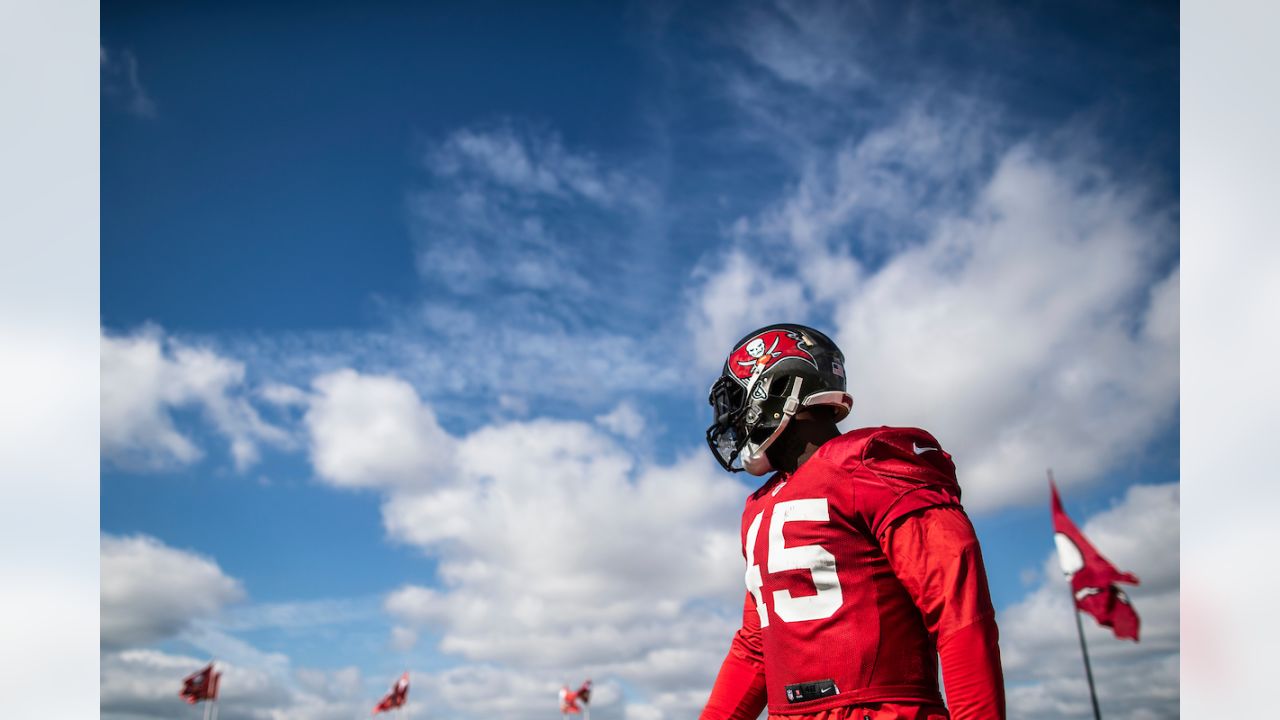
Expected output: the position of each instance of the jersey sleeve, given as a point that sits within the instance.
(739, 692)
(935, 555)
(900, 471)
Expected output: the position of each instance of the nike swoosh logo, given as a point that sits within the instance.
(921, 450)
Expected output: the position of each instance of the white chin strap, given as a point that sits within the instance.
(754, 459)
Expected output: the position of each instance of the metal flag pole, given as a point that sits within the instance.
(1084, 650)
(206, 710)
(215, 679)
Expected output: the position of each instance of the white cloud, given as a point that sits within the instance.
(369, 431)
(884, 190)
(144, 684)
(741, 294)
(1041, 653)
(299, 614)
(151, 591)
(146, 377)
(510, 210)
(531, 163)
(1026, 324)
(120, 82)
(341, 685)
(806, 44)
(486, 691)
(592, 558)
(557, 548)
(283, 395)
(403, 638)
(1018, 333)
(624, 421)
(474, 368)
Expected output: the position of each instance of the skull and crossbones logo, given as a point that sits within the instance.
(760, 358)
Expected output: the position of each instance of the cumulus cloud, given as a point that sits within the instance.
(283, 395)
(369, 431)
(592, 558)
(487, 691)
(1043, 669)
(151, 591)
(624, 421)
(147, 378)
(557, 548)
(142, 684)
(739, 295)
(1034, 320)
(1037, 325)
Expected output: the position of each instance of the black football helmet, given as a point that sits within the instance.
(771, 374)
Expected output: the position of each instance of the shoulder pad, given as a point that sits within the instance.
(909, 458)
(845, 452)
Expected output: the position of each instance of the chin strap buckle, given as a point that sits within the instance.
(793, 400)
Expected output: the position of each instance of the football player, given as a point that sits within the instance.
(863, 570)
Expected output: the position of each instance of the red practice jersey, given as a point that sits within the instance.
(841, 611)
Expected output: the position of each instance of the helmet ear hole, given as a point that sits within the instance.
(780, 386)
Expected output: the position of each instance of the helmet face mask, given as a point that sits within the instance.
(726, 437)
(771, 374)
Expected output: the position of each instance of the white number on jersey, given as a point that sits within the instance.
(814, 558)
(754, 581)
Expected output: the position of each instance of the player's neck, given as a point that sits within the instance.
(810, 448)
(804, 443)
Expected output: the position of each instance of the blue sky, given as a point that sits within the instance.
(409, 315)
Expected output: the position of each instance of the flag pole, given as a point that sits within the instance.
(215, 679)
(1084, 650)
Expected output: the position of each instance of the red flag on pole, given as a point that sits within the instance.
(397, 697)
(200, 685)
(569, 699)
(1093, 577)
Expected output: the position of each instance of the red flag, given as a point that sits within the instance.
(569, 699)
(200, 685)
(1093, 577)
(398, 696)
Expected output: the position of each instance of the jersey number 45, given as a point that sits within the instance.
(814, 558)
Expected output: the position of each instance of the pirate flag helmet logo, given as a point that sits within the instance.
(769, 376)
